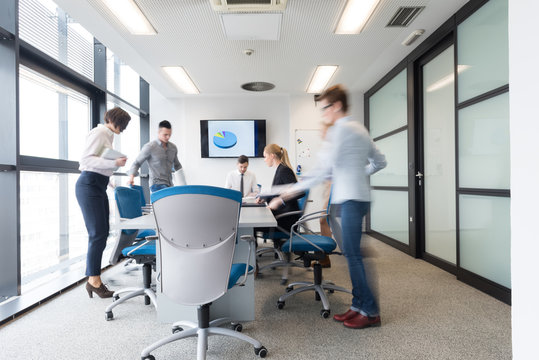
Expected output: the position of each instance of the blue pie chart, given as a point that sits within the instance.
(225, 139)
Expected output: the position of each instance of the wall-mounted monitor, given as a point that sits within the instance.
(232, 138)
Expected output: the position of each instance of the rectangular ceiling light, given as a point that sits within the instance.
(321, 77)
(130, 15)
(355, 15)
(181, 79)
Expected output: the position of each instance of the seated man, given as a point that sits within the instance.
(241, 179)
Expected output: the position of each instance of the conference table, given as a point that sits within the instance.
(239, 302)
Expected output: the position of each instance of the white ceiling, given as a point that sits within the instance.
(190, 34)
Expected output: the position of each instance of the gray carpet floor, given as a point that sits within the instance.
(426, 314)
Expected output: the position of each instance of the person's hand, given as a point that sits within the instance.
(121, 161)
(275, 203)
(259, 200)
(131, 180)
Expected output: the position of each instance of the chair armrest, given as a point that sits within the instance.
(141, 244)
(290, 213)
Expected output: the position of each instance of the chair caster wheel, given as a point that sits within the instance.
(325, 313)
(331, 291)
(149, 357)
(109, 316)
(289, 288)
(115, 298)
(176, 329)
(262, 352)
(284, 281)
(280, 305)
(237, 327)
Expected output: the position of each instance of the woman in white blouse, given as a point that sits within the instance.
(91, 192)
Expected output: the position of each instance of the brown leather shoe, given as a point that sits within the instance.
(362, 321)
(350, 314)
(101, 291)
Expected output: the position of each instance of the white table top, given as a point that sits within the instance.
(250, 217)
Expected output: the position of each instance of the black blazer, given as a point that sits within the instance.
(285, 175)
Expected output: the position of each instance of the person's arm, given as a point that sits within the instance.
(254, 186)
(228, 181)
(377, 160)
(177, 164)
(141, 158)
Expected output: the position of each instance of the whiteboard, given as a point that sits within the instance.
(308, 143)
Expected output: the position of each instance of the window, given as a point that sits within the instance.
(43, 25)
(122, 80)
(54, 119)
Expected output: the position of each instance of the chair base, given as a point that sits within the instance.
(132, 292)
(284, 262)
(202, 330)
(318, 286)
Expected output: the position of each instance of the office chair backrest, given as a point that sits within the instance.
(128, 202)
(197, 228)
(302, 201)
(141, 191)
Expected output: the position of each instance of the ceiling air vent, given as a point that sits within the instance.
(248, 5)
(404, 16)
(257, 86)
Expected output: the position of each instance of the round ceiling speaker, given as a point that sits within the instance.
(257, 86)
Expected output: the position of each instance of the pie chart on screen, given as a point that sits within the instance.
(225, 139)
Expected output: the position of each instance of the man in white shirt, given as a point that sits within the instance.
(241, 179)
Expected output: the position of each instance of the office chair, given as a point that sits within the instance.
(313, 247)
(279, 236)
(197, 228)
(132, 246)
(145, 205)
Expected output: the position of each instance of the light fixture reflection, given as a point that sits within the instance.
(447, 80)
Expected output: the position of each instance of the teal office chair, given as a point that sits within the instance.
(279, 235)
(131, 245)
(145, 205)
(313, 247)
(197, 227)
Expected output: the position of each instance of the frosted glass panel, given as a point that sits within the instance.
(485, 237)
(388, 107)
(483, 51)
(395, 148)
(389, 214)
(439, 157)
(484, 144)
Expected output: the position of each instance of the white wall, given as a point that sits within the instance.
(185, 115)
(523, 79)
(283, 116)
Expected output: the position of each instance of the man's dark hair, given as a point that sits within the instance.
(165, 124)
(117, 117)
(334, 94)
(242, 159)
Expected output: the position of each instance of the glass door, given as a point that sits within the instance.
(437, 174)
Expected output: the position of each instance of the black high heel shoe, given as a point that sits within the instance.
(101, 291)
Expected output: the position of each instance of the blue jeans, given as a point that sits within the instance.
(352, 213)
(156, 187)
(91, 193)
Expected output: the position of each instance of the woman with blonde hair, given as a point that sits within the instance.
(277, 157)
